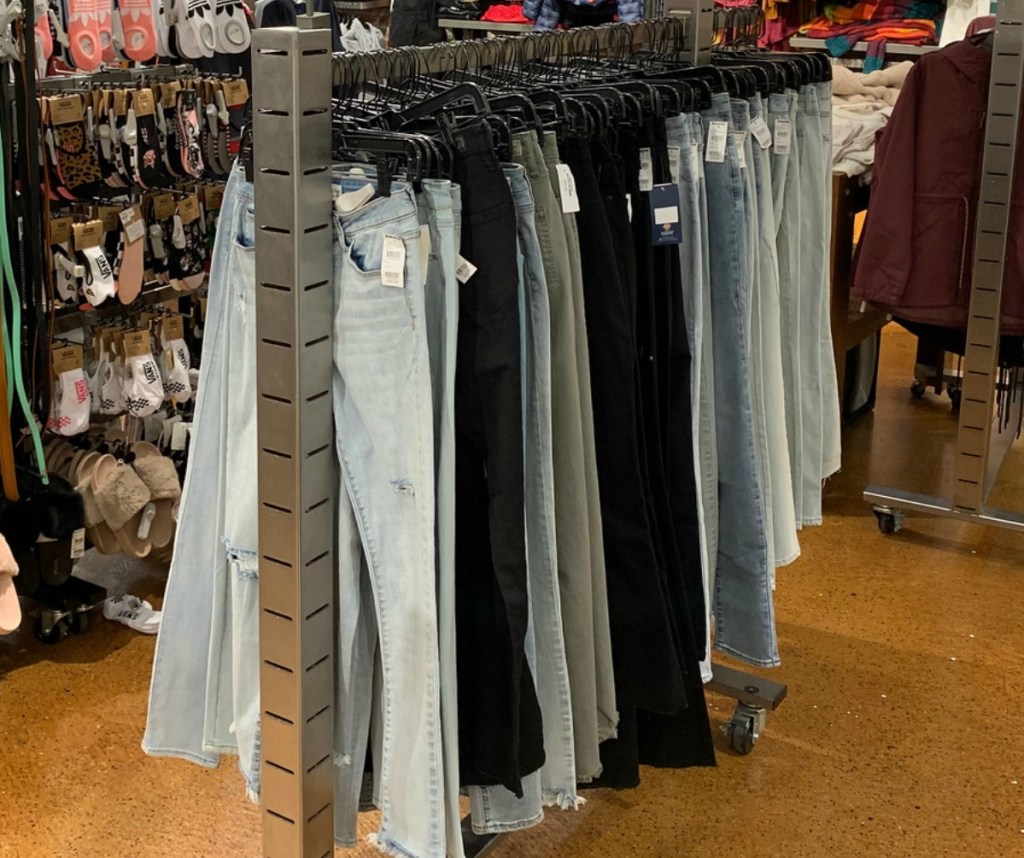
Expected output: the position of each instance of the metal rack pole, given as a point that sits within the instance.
(295, 429)
(983, 441)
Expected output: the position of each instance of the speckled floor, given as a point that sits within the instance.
(901, 735)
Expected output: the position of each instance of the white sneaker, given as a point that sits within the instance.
(133, 612)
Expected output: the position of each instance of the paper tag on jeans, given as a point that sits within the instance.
(629, 207)
(665, 228)
(739, 138)
(759, 128)
(78, 543)
(783, 136)
(674, 153)
(567, 189)
(392, 262)
(718, 134)
(464, 269)
(646, 175)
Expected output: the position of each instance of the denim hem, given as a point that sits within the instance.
(817, 521)
(391, 847)
(757, 662)
(504, 827)
(789, 558)
(562, 799)
(204, 761)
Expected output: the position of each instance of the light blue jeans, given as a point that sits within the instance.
(744, 612)
(813, 276)
(385, 445)
(685, 133)
(789, 205)
(204, 695)
(830, 406)
(439, 205)
(496, 809)
(768, 363)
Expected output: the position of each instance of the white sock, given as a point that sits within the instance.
(144, 391)
(112, 399)
(175, 364)
(197, 36)
(99, 276)
(69, 410)
(233, 35)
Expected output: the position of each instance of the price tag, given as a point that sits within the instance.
(783, 136)
(646, 170)
(665, 227)
(134, 225)
(739, 139)
(464, 269)
(78, 543)
(718, 133)
(392, 265)
(179, 436)
(759, 128)
(567, 189)
(629, 207)
(674, 156)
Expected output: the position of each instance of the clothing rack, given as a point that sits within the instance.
(982, 441)
(293, 72)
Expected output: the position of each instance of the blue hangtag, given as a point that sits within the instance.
(665, 226)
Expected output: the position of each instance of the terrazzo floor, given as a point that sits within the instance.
(901, 735)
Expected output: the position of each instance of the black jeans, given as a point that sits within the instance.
(500, 730)
(647, 672)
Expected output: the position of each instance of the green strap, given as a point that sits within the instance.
(12, 331)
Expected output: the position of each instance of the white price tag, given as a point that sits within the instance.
(646, 170)
(464, 269)
(674, 154)
(783, 136)
(739, 138)
(567, 189)
(134, 226)
(629, 207)
(668, 214)
(392, 263)
(78, 543)
(759, 128)
(718, 133)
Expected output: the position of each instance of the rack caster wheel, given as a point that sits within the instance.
(954, 397)
(745, 727)
(889, 520)
(57, 632)
(917, 388)
(78, 622)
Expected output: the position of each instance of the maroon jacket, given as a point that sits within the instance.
(915, 255)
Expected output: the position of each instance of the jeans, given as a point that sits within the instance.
(588, 762)
(585, 622)
(744, 612)
(813, 277)
(768, 367)
(385, 446)
(439, 205)
(177, 716)
(789, 217)
(500, 729)
(495, 808)
(830, 396)
(681, 132)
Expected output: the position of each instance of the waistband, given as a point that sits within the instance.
(526, 151)
(550, 147)
(377, 212)
(807, 101)
(472, 137)
(436, 195)
(721, 108)
(740, 114)
(519, 184)
(238, 186)
(756, 105)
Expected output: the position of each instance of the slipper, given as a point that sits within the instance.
(161, 478)
(132, 612)
(98, 531)
(124, 500)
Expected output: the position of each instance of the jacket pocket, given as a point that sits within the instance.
(940, 246)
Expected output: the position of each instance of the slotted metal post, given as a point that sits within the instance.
(294, 313)
(982, 441)
(979, 454)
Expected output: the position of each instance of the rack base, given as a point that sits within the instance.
(755, 697)
(889, 505)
